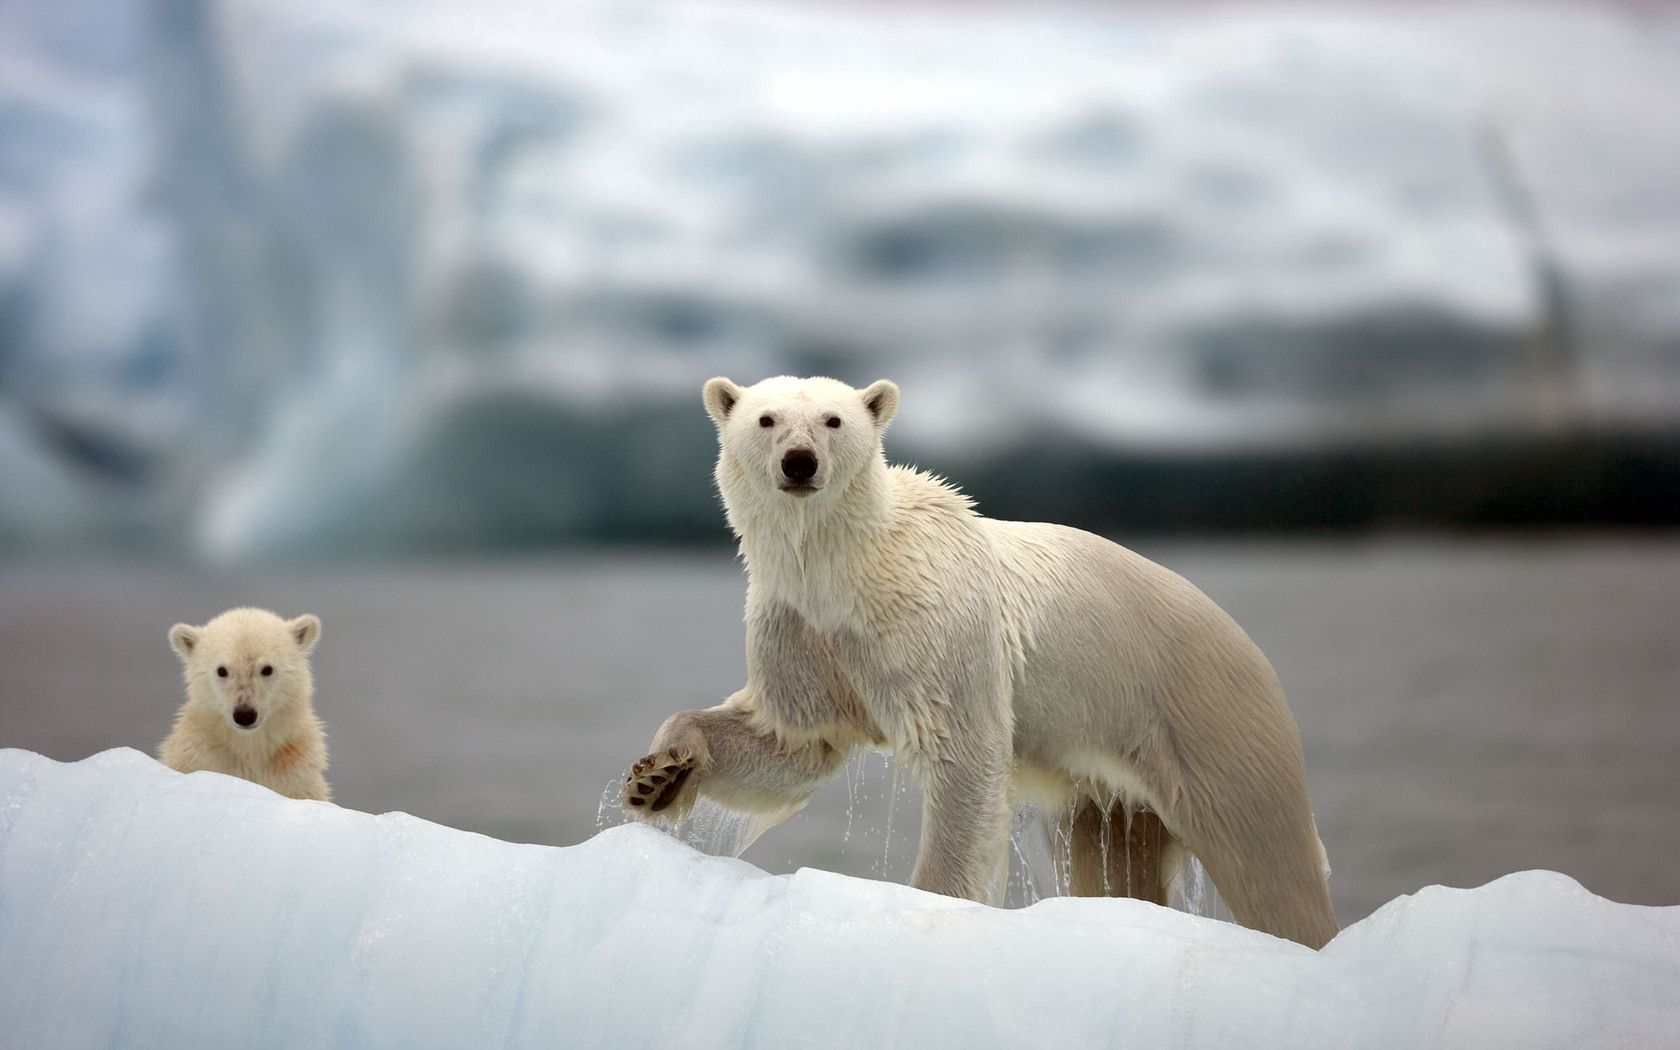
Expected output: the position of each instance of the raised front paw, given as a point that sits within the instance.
(657, 781)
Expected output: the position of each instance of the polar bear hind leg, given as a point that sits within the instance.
(1264, 856)
(1116, 849)
(1247, 822)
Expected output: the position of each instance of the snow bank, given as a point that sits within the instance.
(139, 907)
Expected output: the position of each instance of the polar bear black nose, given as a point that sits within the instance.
(799, 465)
(245, 715)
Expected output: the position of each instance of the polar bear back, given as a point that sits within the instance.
(1110, 649)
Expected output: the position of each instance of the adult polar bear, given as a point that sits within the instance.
(991, 656)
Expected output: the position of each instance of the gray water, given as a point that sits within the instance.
(1469, 707)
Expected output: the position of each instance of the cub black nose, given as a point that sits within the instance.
(799, 465)
(245, 715)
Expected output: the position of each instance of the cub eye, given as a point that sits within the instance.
(766, 421)
(834, 422)
(221, 672)
(267, 670)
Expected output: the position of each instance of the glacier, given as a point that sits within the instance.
(284, 277)
(140, 907)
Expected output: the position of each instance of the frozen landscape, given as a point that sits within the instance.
(292, 291)
(284, 277)
(139, 907)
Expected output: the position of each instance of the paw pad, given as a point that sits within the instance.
(654, 782)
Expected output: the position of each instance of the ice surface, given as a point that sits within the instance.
(139, 907)
(309, 271)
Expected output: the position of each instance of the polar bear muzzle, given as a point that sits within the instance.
(799, 466)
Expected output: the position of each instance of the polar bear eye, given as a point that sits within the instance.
(221, 672)
(834, 422)
(267, 670)
(766, 421)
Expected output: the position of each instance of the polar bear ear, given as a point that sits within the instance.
(183, 638)
(881, 398)
(305, 630)
(720, 396)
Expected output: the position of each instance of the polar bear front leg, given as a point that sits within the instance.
(723, 753)
(965, 827)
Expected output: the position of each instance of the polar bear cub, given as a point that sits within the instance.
(249, 710)
(997, 659)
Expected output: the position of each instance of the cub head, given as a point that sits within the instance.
(794, 439)
(247, 665)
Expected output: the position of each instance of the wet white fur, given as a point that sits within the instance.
(286, 750)
(994, 657)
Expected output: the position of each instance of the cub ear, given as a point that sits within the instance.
(881, 398)
(720, 395)
(306, 630)
(182, 638)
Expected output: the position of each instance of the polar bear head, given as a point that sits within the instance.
(247, 665)
(787, 440)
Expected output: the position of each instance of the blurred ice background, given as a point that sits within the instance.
(292, 288)
(278, 278)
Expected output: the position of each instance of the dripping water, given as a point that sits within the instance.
(854, 767)
(1040, 841)
(1041, 844)
(610, 802)
(894, 789)
(708, 827)
(719, 831)
(1194, 892)
(1033, 842)
(1126, 812)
